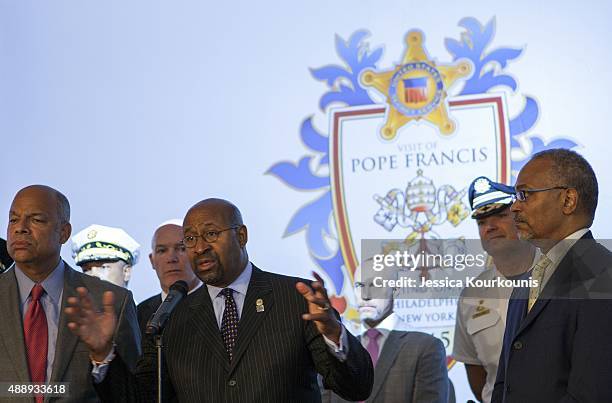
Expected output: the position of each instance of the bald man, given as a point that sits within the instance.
(248, 336)
(37, 345)
(171, 264)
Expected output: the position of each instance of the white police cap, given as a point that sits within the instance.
(99, 242)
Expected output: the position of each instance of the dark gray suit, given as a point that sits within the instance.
(71, 362)
(276, 358)
(561, 350)
(145, 311)
(411, 369)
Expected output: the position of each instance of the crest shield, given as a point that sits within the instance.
(414, 186)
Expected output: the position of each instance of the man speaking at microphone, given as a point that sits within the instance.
(248, 336)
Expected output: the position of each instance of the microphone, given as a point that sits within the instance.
(177, 292)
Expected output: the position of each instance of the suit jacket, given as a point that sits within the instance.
(5, 259)
(276, 358)
(561, 351)
(411, 369)
(145, 310)
(71, 362)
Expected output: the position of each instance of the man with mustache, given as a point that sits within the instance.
(35, 343)
(408, 366)
(169, 259)
(248, 336)
(481, 313)
(558, 331)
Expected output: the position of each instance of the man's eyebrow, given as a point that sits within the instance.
(35, 213)
(523, 185)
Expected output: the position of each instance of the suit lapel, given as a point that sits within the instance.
(205, 322)
(66, 340)
(251, 319)
(560, 283)
(387, 357)
(11, 332)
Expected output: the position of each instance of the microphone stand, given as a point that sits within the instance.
(158, 346)
(156, 323)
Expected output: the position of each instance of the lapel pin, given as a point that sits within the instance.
(259, 305)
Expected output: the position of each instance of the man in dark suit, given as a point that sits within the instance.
(558, 332)
(5, 259)
(169, 259)
(248, 336)
(409, 367)
(35, 343)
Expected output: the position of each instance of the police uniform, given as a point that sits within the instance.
(481, 313)
(99, 242)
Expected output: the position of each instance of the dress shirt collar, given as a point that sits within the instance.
(53, 284)
(384, 327)
(558, 252)
(239, 285)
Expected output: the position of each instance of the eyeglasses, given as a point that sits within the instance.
(521, 195)
(209, 236)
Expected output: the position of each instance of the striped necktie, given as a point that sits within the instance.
(537, 274)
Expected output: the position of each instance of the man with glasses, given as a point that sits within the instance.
(481, 313)
(248, 336)
(558, 331)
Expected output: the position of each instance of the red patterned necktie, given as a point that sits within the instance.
(36, 337)
(229, 322)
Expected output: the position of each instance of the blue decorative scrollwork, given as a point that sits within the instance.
(473, 45)
(344, 88)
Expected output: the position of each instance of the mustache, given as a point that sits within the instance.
(519, 219)
(206, 256)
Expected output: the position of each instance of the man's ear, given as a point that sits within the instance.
(243, 236)
(65, 232)
(570, 202)
(127, 273)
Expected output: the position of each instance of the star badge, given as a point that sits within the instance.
(416, 89)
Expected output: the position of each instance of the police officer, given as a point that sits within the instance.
(481, 313)
(106, 252)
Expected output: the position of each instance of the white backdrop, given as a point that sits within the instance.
(136, 110)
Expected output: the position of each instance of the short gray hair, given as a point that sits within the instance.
(573, 170)
(63, 207)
